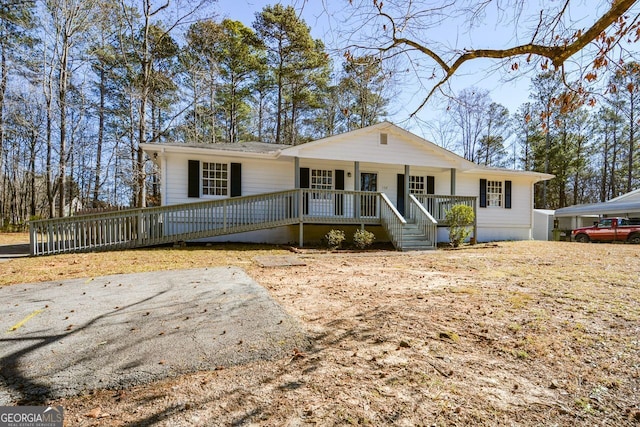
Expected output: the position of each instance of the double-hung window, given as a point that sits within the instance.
(321, 179)
(215, 179)
(494, 194)
(416, 185)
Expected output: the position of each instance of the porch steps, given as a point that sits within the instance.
(413, 239)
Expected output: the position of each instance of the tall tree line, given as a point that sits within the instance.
(84, 83)
(591, 148)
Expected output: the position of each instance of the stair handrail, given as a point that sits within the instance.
(391, 220)
(424, 220)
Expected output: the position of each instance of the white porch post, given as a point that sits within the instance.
(356, 187)
(163, 179)
(453, 181)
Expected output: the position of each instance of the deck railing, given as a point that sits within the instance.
(438, 205)
(153, 226)
(392, 221)
(424, 220)
(341, 207)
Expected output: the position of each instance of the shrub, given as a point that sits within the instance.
(335, 238)
(459, 218)
(363, 238)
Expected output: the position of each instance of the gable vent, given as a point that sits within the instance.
(383, 139)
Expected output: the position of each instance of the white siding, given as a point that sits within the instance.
(498, 223)
(366, 147)
(258, 176)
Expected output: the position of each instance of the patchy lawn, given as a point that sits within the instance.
(516, 333)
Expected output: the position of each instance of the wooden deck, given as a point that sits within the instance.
(159, 225)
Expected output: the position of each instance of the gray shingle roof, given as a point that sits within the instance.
(243, 147)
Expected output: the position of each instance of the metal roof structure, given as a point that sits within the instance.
(627, 205)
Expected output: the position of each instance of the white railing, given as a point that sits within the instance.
(392, 221)
(338, 206)
(425, 222)
(153, 226)
(438, 205)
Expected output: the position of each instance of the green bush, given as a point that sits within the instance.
(459, 218)
(335, 238)
(363, 238)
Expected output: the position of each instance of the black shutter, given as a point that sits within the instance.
(431, 185)
(304, 178)
(483, 193)
(400, 192)
(507, 194)
(305, 182)
(339, 179)
(339, 199)
(236, 180)
(193, 189)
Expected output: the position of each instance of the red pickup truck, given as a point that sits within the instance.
(609, 230)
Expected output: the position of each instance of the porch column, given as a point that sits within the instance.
(356, 176)
(163, 178)
(453, 181)
(356, 187)
(406, 190)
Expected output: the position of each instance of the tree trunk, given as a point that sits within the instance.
(101, 116)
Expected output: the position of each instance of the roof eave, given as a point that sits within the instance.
(188, 149)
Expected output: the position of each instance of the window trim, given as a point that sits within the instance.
(495, 196)
(417, 179)
(214, 190)
(321, 179)
(506, 195)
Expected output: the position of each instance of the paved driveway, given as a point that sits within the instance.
(65, 337)
(8, 252)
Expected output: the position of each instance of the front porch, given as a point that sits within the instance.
(417, 229)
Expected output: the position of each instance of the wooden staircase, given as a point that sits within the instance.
(414, 238)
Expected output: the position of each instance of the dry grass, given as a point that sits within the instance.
(13, 238)
(522, 333)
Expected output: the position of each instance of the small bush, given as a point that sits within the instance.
(363, 238)
(459, 217)
(335, 238)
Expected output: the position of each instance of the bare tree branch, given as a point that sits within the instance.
(557, 50)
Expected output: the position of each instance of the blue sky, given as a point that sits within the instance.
(503, 88)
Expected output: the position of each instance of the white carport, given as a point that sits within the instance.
(627, 205)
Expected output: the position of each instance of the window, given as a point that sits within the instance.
(416, 185)
(605, 223)
(215, 179)
(494, 193)
(497, 194)
(383, 139)
(321, 180)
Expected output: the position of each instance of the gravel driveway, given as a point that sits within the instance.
(66, 337)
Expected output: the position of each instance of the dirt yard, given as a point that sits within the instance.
(518, 333)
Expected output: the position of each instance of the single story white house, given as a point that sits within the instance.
(376, 177)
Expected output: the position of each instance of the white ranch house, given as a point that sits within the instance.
(383, 159)
(382, 177)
